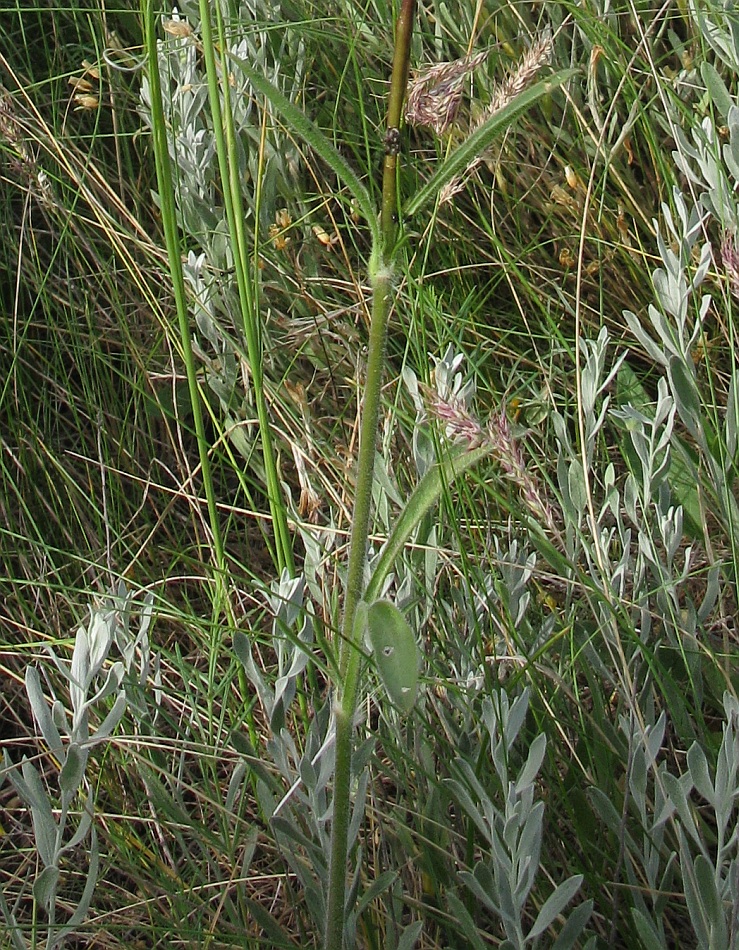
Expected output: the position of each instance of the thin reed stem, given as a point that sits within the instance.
(169, 222)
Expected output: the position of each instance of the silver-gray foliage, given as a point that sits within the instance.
(63, 820)
(512, 827)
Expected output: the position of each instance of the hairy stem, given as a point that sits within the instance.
(349, 650)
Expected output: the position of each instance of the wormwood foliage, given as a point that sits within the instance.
(63, 822)
(538, 680)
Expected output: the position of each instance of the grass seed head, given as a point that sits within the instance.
(434, 95)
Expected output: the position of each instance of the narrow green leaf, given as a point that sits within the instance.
(377, 887)
(484, 891)
(13, 927)
(605, 809)
(410, 935)
(277, 937)
(396, 653)
(424, 497)
(310, 134)
(647, 934)
(685, 392)
(570, 933)
(464, 922)
(83, 907)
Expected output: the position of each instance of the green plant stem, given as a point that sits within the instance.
(169, 222)
(381, 277)
(225, 138)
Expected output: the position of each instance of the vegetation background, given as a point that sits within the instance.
(178, 454)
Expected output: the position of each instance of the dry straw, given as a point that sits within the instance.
(21, 161)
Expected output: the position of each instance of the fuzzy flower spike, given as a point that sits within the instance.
(434, 95)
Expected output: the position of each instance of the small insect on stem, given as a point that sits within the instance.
(392, 141)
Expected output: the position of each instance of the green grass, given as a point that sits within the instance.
(102, 480)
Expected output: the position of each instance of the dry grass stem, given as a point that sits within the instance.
(22, 162)
(730, 260)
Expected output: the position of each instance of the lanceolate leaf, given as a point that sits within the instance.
(302, 125)
(425, 495)
(396, 653)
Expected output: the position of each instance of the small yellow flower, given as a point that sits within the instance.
(177, 28)
(85, 102)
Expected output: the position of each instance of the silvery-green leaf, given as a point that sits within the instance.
(44, 824)
(110, 722)
(554, 905)
(712, 592)
(678, 790)
(45, 885)
(42, 714)
(529, 844)
(79, 673)
(100, 631)
(705, 876)
(242, 649)
(73, 770)
(576, 486)
(698, 918)
(60, 718)
(462, 796)
(731, 423)
(574, 926)
(395, 651)
(234, 785)
(716, 87)
(647, 933)
(82, 828)
(605, 809)
(700, 774)
(514, 720)
(654, 738)
(410, 935)
(83, 905)
(113, 679)
(533, 762)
